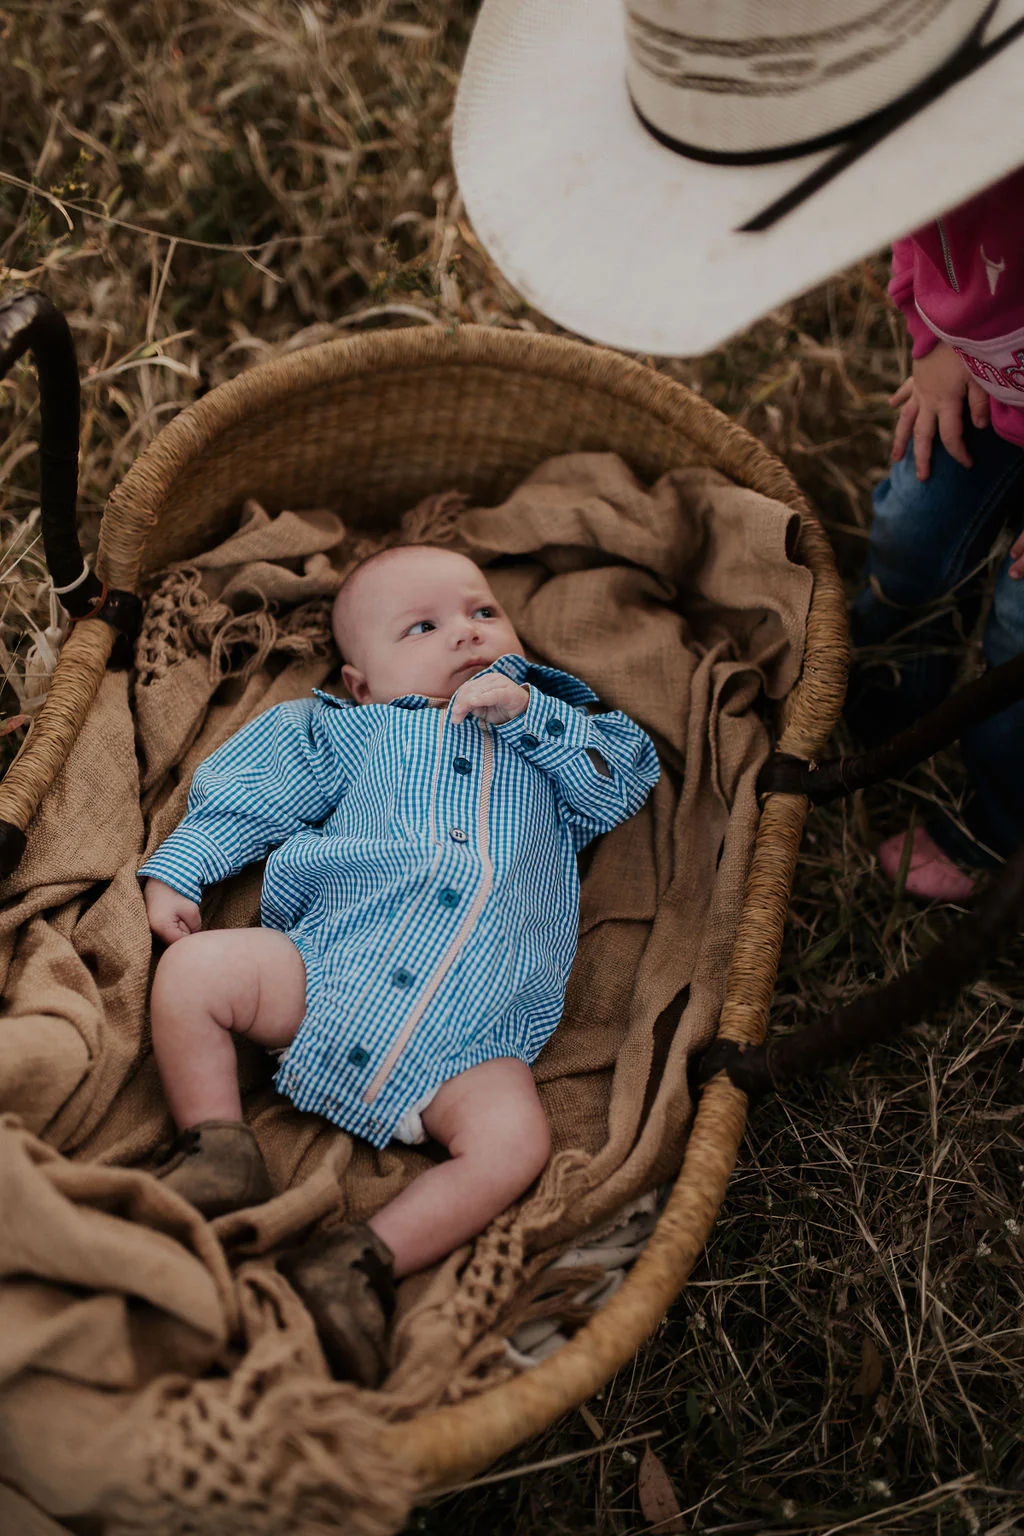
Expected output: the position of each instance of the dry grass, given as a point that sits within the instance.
(221, 182)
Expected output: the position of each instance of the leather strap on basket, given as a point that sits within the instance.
(987, 695)
(29, 322)
(970, 946)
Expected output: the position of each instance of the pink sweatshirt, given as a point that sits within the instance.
(961, 280)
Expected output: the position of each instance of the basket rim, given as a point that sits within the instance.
(445, 1442)
(150, 479)
(409, 347)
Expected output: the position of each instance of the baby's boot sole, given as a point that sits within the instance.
(345, 1278)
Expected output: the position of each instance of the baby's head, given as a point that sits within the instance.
(415, 619)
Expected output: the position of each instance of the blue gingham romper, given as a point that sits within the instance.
(425, 871)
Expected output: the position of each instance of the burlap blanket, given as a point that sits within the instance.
(156, 1373)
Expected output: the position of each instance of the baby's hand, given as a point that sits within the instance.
(491, 697)
(171, 915)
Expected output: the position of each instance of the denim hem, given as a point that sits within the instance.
(957, 844)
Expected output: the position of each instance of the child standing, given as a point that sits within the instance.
(956, 482)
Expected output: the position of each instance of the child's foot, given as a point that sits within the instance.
(931, 874)
(345, 1276)
(217, 1166)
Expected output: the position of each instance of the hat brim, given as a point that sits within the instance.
(616, 237)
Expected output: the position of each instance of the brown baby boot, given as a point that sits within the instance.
(217, 1166)
(345, 1276)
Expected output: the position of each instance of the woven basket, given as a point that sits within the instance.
(374, 425)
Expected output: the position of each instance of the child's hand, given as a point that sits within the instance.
(492, 697)
(171, 915)
(933, 397)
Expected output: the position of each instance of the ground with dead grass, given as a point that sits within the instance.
(202, 186)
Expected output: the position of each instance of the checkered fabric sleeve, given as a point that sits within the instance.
(603, 766)
(275, 777)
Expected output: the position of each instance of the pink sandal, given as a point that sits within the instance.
(932, 875)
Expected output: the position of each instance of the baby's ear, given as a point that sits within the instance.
(356, 684)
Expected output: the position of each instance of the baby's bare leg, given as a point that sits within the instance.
(492, 1123)
(245, 981)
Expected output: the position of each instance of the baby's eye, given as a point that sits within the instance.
(421, 627)
(486, 612)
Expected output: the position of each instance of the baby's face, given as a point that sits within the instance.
(419, 621)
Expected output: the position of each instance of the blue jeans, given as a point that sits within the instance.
(923, 584)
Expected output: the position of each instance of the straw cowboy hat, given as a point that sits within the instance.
(656, 174)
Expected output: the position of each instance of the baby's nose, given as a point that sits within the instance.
(466, 630)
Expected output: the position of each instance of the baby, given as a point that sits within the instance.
(419, 910)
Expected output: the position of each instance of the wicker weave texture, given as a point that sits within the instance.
(370, 426)
(76, 680)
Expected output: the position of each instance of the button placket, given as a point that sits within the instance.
(469, 801)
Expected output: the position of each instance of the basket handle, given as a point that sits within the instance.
(934, 981)
(29, 322)
(994, 691)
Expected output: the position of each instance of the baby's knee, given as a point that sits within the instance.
(175, 963)
(522, 1142)
(538, 1148)
(492, 1115)
(192, 971)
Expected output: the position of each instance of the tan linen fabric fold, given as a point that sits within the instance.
(126, 1321)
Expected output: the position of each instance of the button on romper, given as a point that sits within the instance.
(425, 871)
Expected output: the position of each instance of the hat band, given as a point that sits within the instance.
(855, 138)
(780, 152)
